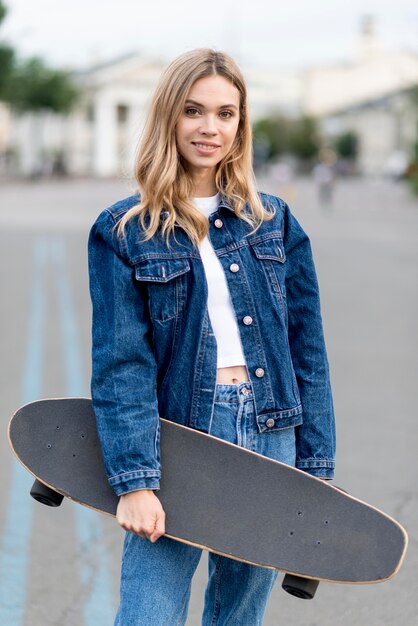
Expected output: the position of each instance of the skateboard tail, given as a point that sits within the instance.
(295, 574)
(49, 441)
(308, 527)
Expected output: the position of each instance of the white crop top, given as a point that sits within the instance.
(221, 311)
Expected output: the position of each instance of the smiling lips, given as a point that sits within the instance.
(205, 147)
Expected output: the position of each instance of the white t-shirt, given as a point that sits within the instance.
(221, 311)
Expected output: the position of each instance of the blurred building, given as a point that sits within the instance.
(375, 95)
(100, 137)
(97, 137)
(116, 96)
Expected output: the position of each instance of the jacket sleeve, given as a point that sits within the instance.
(123, 384)
(315, 438)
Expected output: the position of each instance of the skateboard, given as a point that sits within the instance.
(219, 497)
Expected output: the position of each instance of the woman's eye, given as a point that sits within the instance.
(191, 111)
(226, 114)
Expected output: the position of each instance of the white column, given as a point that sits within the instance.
(105, 161)
(132, 134)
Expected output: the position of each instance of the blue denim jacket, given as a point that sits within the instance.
(154, 350)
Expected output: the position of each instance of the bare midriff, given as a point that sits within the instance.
(232, 375)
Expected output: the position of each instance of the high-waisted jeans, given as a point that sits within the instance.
(156, 577)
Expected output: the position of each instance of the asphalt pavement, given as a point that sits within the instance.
(60, 567)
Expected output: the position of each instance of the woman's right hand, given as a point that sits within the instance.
(141, 512)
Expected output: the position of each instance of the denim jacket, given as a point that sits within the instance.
(154, 350)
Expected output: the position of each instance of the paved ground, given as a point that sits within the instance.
(60, 567)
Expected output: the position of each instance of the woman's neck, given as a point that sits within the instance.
(203, 183)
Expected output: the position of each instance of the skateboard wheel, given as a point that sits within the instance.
(45, 495)
(299, 587)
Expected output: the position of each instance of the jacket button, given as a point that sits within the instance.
(259, 372)
(247, 320)
(270, 422)
(218, 223)
(234, 267)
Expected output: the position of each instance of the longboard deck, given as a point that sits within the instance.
(219, 496)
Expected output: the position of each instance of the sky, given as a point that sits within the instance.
(262, 33)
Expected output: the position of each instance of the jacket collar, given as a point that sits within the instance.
(225, 204)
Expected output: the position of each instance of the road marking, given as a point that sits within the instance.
(19, 511)
(94, 570)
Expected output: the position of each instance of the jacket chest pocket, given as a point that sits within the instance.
(165, 281)
(271, 256)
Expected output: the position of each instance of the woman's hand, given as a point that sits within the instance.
(141, 512)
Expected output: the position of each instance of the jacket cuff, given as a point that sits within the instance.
(135, 481)
(320, 468)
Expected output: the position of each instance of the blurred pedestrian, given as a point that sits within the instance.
(283, 175)
(324, 175)
(205, 311)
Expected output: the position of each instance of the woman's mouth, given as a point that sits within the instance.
(205, 148)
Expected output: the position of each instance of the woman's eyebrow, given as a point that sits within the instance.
(202, 106)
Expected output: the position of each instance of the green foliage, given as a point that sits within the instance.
(7, 62)
(3, 11)
(273, 132)
(346, 145)
(29, 85)
(7, 57)
(303, 138)
(35, 87)
(284, 135)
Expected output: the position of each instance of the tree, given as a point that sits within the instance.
(30, 86)
(285, 135)
(7, 58)
(35, 87)
(272, 132)
(303, 139)
(346, 145)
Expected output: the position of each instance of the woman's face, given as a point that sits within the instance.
(208, 125)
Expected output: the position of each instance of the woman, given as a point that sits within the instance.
(206, 312)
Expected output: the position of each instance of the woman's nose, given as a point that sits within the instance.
(208, 126)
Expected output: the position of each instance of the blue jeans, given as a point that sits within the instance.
(156, 577)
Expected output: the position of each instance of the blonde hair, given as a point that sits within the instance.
(161, 174)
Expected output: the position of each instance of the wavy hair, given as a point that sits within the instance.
(161, 173)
